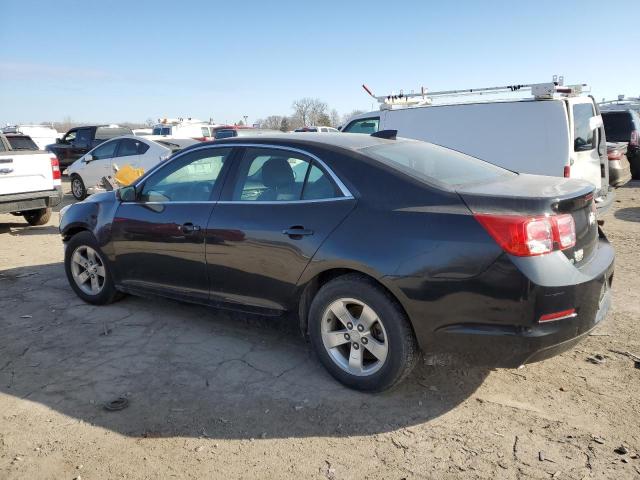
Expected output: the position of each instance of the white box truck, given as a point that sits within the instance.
(557, 131)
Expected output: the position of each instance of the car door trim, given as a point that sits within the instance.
(343, 188)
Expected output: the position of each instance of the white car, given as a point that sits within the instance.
(557, 131)
(87, 172)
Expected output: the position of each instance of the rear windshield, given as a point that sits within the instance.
(617, 126)
(226, 133)
(22, 143)
(104, 133)
(433, 163)
(162, 131)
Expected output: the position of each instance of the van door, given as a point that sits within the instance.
(583, 152)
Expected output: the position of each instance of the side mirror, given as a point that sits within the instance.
(127, 194)
(89, 158)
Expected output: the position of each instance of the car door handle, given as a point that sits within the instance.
(5, 171)
(189, 228)
(297, 232)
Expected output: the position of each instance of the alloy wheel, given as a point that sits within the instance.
(354, 337)
(76, 187)
(87, 269)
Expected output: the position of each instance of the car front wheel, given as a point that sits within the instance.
(78, 189)
(87, 270)
(361, 334)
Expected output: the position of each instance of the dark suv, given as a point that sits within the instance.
(78, 141)
(623, 125)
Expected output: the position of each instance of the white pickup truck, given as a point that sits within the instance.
(29, 183)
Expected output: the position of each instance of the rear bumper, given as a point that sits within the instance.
(510, 346)
(20, 202)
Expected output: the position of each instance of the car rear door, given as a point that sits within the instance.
(159, 239)
(277, 208)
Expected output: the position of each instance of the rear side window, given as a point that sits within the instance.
(128, 147)
(365, 125)
(583, 135)
(435, 164)
(617, 126)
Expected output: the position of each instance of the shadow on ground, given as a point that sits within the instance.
(24, 229)
(189, 370)
(629, 214)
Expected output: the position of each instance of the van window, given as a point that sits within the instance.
(617, 126)
(583, 136)
(161, 131)
(226, 133)
(364, 125)
(433, 163)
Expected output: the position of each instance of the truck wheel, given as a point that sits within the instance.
(38, 217)
(77, 187)
(361, 335)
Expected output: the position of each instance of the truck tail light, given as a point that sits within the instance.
(526, 236)
(614, 155)
(55, 168)
(634, 138)
(567, 171)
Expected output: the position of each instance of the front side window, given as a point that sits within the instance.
(70, 136)
(188, 178)
(584, 137)
(365, 125)
(434, 164)
(106, 150)
(272, 175)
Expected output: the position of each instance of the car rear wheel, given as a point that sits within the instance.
(87, 270)
(37, 217)
(361, 334)
(77, 187)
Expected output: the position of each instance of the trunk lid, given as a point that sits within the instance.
(535, 195)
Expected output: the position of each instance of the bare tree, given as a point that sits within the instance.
(307, 111)
(284, 124)
(347, 116)
(272, 122)
(335, 118)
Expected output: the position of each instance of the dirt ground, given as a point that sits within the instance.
(220, 395)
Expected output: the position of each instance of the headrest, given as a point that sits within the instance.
(277, 173)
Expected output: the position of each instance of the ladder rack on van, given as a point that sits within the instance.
(540, 91)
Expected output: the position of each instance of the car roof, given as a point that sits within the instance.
(348, 141)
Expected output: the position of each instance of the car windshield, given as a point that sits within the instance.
(435, 164)
(22, 143)
(617, 126)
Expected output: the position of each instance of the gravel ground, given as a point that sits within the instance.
(219, 395)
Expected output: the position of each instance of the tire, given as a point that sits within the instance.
(38, 217)
(91, 261)
(389, 328)
(78, 190)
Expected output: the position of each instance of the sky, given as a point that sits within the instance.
(116, 60)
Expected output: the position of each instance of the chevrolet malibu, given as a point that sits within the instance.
(381, 247)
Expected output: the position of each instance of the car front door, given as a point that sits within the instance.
(99, 165)
(277, 208)
(127, 153)
(158, 239)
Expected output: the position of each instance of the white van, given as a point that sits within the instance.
(557, 132)
(185, 128)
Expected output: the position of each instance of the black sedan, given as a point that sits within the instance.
(382, 247)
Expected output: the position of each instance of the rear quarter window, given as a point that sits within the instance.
(435, 164)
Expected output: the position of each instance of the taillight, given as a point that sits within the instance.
(529, 236)
(614, 155)
(55, 168)
(551, 317)
(634, 138)
(567, 171)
